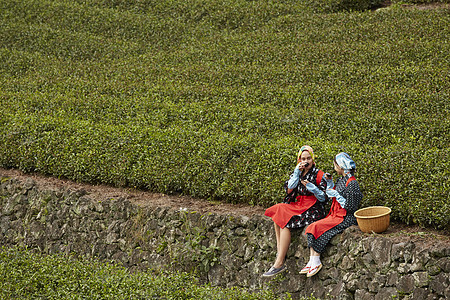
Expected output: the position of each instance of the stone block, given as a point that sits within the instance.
(421, 279)
(5, 223)
(352, 285)
(432, 269)
(381, 251)
(404, 268)
(386, 293)
(111, 238)
(363, 295)
(296, 281)
(398, 251)
(440, 284)
(11, 203)
(355, 248)
(406, 284)
(249, 252)
(216, 274)
(347, 263)
(392, 279)
(337, 289)
(378, 282)
(444, 264)
(421, 293)
(420, 259)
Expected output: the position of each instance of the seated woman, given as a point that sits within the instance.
(346, 199)
(302, 206)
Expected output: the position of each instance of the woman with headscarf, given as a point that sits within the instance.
(303, 205)
(346, 199)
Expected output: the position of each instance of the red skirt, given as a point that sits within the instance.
(281, 213)
(334, 218)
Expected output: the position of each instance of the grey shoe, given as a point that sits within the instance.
(274, 271)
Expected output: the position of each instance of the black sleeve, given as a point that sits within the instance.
(353, 197)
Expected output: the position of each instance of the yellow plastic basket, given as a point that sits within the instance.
(373, 218)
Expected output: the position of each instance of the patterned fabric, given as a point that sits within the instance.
(353, 196)
(317, 211)
(311, 177)
(345, 162)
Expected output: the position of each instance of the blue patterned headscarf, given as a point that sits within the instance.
(344, 161)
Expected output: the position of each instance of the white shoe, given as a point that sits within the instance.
(305, 270)
(314, 271)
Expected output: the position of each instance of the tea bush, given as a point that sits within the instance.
(28, 275)
(213, 99)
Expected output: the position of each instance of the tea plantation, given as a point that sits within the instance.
(214, 98)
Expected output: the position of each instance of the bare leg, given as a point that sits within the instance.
(312, 252)
(277, 234)
(283, 246)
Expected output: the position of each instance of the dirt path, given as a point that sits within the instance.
(395, 231)
(140, 197)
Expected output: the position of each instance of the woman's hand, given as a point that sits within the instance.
(329, 181)
(314, 189)
(302, 165)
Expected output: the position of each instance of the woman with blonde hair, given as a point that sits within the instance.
(303, 205)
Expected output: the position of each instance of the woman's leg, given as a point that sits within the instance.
(277, 235)
(314, 262)
(283, 246)
(313, 252)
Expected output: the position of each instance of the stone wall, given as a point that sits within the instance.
(224, 250)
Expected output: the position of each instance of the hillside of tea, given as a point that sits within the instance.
(213, 99)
